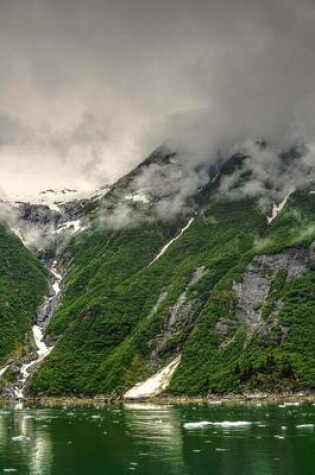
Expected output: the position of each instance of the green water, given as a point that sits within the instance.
(152, 440)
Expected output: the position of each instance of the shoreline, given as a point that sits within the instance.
(215, 400)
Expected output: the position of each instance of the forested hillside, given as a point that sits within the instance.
(23, 283)
(232, 295)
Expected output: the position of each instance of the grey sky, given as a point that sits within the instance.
(89, 87)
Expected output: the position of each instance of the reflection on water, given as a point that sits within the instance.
(158, 440)
(24, 440)
(41, 455)
(160, 428)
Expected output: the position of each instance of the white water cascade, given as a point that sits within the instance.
(38, 336)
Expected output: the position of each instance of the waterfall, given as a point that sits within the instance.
(38, 330)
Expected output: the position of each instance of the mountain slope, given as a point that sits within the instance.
(23, 283)
(257, 330)
(214, 286)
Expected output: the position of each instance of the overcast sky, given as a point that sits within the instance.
(89, 87)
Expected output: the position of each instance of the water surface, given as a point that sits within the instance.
(152, 440)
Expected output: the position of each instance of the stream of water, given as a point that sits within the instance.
(38, 337)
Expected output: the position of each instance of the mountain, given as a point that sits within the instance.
(174, 284)
(23, 283)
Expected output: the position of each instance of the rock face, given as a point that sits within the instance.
(39, 214)
(255, 288)
(41, 226)
(180, 318)
(44, 215)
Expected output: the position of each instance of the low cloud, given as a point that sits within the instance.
(88, 89)
(271, 173)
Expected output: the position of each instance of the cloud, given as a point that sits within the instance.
(272, 173)
(88, 88)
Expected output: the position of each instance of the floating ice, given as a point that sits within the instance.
(20, 438)
(232, 424)
(305, 426)
(224, 424)
(197, 425)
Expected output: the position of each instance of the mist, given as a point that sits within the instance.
(89, 88)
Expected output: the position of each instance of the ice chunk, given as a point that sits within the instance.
(197, 425)
(20, 438)
(223, 425)
(232, 424)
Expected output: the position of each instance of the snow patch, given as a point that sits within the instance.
(276, 209)
(73, 226)
(56, 207)
(156, 384)
(164, 249)
(18, 233)
(3, 370)
(139, 197)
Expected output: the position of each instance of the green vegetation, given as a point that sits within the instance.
(122, 316)
(276, 364)
(23, 282)
(111, 333)
(110, 291)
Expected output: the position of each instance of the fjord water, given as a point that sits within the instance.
(152, 439)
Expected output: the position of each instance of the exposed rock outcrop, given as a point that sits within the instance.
(254, 289)
(179, 319)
